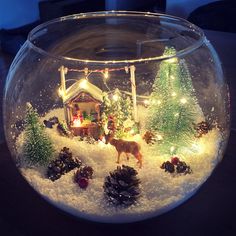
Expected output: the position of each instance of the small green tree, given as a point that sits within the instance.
(105, 107)
(173, 104)
(38, 148)
(119, 107)
(127, 108)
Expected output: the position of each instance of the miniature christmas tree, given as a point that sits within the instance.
(127, 108)
(119, 107)
(38, 147)
(117, 110)
(106, 107)
(173, 104)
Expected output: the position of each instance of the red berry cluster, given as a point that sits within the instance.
(82, 176)
(176, 165)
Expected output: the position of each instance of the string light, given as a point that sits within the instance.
(61, 92)
(86, 71)
(106, 73)
(132, 131)
(126, 69)
(83, 84)
(173, 94)
(115, 97)
(146, 102)
(172, 149)
(172, 77)
(158, 102)
(183, 100)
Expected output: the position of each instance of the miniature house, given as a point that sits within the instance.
(82, 102)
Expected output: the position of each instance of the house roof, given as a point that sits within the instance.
(82, 85)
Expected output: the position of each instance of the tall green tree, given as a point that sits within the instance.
(173, 104)
(38, 148)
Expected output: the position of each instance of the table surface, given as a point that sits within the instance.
(209, 212)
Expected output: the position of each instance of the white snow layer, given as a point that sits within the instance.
(161, 191)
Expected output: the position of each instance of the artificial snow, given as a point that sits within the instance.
(161, 191)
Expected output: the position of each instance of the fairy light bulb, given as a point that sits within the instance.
(115, 97)
(173, 94)
(86, 71)
(61, 92)
(106, 73)
(83, 84)
(146, 102)
(158, 102)
(183, 100)
(172, 77)
(172, 149)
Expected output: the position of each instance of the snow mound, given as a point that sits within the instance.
(161, 191)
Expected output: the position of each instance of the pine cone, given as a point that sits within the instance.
(149, 137)
(182, 167)
(121, 187)
(168, 167)
(63, 164)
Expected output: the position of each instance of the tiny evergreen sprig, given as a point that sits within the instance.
(38, 148)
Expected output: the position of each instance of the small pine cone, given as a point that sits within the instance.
(168, 167)
(65, 153)
(63, 164)
(86, 172)
(121, 187)
(149, 137)
(182, 167)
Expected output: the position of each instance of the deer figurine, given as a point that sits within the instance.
(126, 147)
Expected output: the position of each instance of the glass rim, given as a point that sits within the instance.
(179, 53)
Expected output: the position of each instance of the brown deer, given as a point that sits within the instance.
(126, 147)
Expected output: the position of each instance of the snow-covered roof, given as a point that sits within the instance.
(82, 85)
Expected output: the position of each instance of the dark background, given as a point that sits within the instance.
(212, 211)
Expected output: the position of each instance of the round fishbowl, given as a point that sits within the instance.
(116, 116)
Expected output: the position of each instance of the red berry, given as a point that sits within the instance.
(174, 160)
(83, 182)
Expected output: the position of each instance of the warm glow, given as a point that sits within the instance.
(159, 137)
(104, 140)
(115, 97)
(172, 77)
(183, 100)
(173, 94)
(199, 147)
(146, 102)
(176, 114)
(158, 102)
(106, 74)
(132, 131)
(76, 122)
(61, 92)
(172, 149)
(83, 84)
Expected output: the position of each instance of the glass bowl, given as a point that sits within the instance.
(116, 116)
